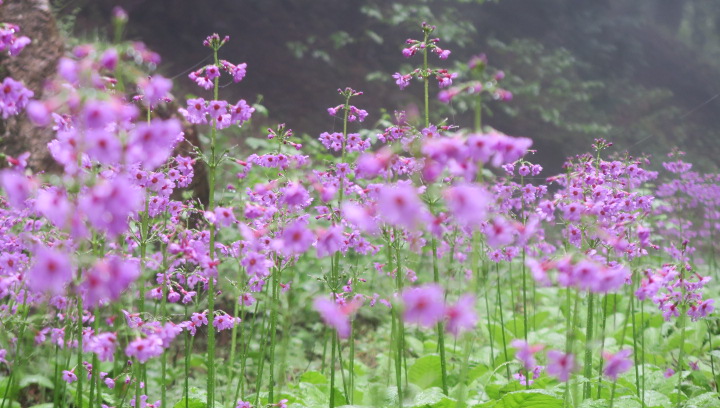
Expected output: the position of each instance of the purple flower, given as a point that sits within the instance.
(335, 315)
(399, 205)
(401, 80)
(616, 364)
(155, 89)
(424, 305)
(51, 271)
(17, 187)
(223, 322)
(468, 203)
(296, 238)
(196, 111)
(144, 349)
(461, 316)
(69, 376)
(560, 365)
(526, 352)
(329, 241)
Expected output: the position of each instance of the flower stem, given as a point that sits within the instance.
(440, 329)
(588, 344)
(502, 320)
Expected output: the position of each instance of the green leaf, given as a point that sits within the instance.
(707, 400)
(529, 399)
(40, 380)
(313, 377)
(426, 372)
(434, 398)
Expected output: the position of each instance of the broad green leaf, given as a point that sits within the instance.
(313, 377)
(529, 399)
(426, 372)
(707, 400)
(433, 398)
(40, 380)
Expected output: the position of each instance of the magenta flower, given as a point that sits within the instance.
(144, 349)
(461, 316)
(69, 376)
(329, 241)
(155, 89)
(616, 364)
(400, 205)
(51, 271)
(223, 322)
(17, 187)
(560, 365)
(424, 305)
(468, 203)
(336, 315)
(297, 238)
(402, 80)
(526, 352)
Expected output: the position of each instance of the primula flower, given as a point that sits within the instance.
(616, 364)
(560, 365)
(424, 305)
(51, 271)
(17, 187)
(154, 89)
(526, 352)
(296, 238)
(329, 241)
(69, 376)
(337, 315)
(145, 348)
(400, 205)
(402, 80)
(467, 203)
(461, 316)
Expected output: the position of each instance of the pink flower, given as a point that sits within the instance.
(461, 316)
(329, 241)
(560, 365)
(145, 348)
(51, 271)
(424, 305)
(69, 376)
(296, 238)
(399, 205)
(468, 203)
(402, 80)
(17, 187)
(526, 352)
(155, 89)
(616, 364)
(336, 315)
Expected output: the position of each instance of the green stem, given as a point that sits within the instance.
(683, 325)
(273, 330)
(502, 320)
(602, 342)
(588, 344)
(440, 329)
(80, 368)
(211, 284)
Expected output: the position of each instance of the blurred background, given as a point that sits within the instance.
(644, 74)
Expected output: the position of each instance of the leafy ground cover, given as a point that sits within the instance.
(406, 263)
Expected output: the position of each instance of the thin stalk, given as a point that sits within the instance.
(211, 284)
(80, 349)
(712, 359)
(602, 342)
(588, 344)
(440, 329)
(683, 325)
(273, 330)
(502, 321)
